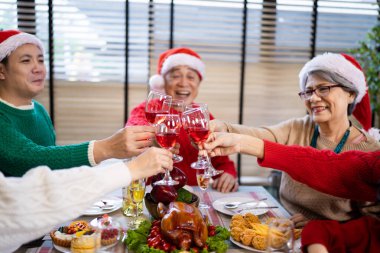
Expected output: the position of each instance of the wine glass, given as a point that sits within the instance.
(175, 106)
(154, 105)
(137, 192)
(203, 180)
(280, 235)
(167, 131)
(196, 122)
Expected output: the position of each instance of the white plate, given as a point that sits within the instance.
(219, 206)
(297, 246)
(67, 250)
(95, 210)
(61, 249)
(245, 246)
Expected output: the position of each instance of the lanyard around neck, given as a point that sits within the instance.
(340, 145)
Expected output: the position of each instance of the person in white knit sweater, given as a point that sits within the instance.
(32, 205)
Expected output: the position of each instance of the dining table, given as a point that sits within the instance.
(214, 216)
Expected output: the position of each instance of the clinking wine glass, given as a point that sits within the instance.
(280, 236)
(196, 122)
(167, 131)
(175, 106)
(137, 192)
(154, 105)
(203, 180)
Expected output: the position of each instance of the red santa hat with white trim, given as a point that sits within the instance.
(10, 40)
(348, 68)
(172, 58)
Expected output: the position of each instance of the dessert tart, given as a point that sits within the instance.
(63, 236)
(109, 236)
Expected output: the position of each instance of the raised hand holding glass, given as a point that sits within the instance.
(196, 123)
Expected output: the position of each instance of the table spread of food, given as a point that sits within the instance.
(176, 224)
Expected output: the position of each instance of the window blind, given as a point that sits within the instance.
(255, 78)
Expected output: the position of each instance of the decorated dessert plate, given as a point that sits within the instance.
(67, 250)
(255, 207)
(105, 205)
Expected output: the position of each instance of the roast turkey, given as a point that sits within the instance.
(183, 225)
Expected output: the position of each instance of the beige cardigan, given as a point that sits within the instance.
(297, 197)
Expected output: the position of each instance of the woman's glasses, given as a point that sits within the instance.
(321, 91)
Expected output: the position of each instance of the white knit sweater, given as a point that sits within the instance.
(30, 206)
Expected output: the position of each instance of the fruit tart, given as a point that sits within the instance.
(64, 235)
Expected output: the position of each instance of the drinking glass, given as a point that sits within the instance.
(167, 131)
(203, 180)
(154, 105)
(174, 106)
(280, 236)
(196, 123)
(137, 191)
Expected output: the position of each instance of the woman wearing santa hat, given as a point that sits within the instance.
(179, 74)
(352, 174)
(27, 134)
(333, 87)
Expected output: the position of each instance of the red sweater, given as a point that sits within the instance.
(187, 151)
(352, 174)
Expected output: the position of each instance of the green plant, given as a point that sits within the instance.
(368, 54)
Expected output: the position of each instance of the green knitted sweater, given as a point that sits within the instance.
(28, 140)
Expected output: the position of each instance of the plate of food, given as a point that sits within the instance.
(103, 206)
(249, 205)
(80, 235)
(249, 232)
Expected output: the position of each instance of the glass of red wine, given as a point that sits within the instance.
(175, 106)
(196, 122)
(154, 105)
(167, 131)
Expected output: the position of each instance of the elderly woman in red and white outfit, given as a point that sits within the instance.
(179, 74)
(333, 87)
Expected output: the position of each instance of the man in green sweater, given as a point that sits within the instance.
(27, 134)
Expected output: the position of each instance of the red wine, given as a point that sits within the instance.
(150, 116)
(198, 135)
(166, 140)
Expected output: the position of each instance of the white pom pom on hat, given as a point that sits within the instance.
(172, 58)
(10, 40)
(157, 82)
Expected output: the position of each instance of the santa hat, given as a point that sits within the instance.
(348, 68)
(10, 40)
(172, 58)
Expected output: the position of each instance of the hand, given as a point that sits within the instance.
(151, 162)
(225, 183)
(127, 142)
(317, 248)
(221, 144)
(217, 126)
(299, 220)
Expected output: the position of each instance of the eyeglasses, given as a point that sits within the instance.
(321, 91)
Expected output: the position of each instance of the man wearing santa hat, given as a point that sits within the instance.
(27, 134)
(332, 86)
(179, 74)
